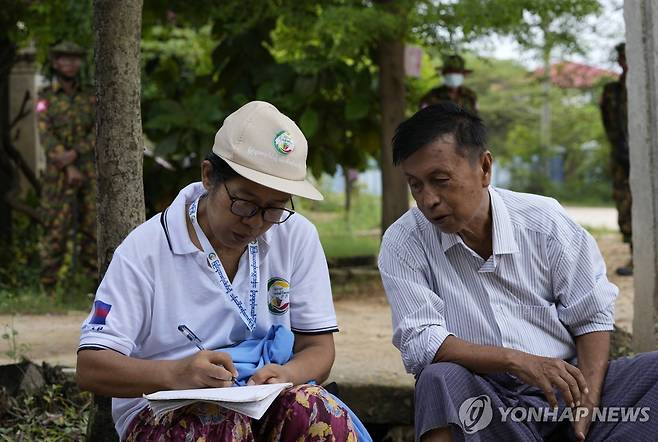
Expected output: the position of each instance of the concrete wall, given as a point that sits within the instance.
(22, 80)
(641, 18)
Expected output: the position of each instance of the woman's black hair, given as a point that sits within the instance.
(434, 122)
(221, 171)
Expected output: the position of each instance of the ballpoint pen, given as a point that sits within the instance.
(189, 334)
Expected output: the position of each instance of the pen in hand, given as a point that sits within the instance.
(189, 334)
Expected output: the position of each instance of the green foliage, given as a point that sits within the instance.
(577, 137)
(20, 257)
(20, 290)
(557, 23)
(510, 99)
(332, 33)
(56, 413)
(46, 22)
(314, 60)
(180, 111)
(192, 47)
(184, 101)
(15, 351)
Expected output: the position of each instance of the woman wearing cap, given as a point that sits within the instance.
(226, 263)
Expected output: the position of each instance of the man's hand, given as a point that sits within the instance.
(61, 160)
(206, 369)
(551, 373)
(270, 374)
(73, 176)
(581, 425)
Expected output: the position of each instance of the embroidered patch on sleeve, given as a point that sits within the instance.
(101, 310)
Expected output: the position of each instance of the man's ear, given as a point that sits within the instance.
(486, 165)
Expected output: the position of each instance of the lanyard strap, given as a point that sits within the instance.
(220, 274)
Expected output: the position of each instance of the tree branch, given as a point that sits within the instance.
(20, 206)
(16, 156)
(22, 113)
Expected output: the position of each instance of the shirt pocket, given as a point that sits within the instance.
(540, 322)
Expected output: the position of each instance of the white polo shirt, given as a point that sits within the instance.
(158, 280)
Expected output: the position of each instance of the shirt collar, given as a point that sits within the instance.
(174, 222)
(503, 231)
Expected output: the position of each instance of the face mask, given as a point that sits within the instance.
(454, 80)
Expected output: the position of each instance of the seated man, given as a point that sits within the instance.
(501, 305)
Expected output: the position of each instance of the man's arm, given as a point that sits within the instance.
(592, 349)
(482, 359)
(545, 373)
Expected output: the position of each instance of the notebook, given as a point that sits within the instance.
(250, 400)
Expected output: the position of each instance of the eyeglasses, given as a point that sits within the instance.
(247, 209)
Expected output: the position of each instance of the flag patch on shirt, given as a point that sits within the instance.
(101, 310)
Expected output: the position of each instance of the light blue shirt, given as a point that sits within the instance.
(544, 284)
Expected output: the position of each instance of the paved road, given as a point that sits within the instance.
(597, 217)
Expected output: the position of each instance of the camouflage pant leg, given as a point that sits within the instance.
(57, 202)
(87, 219)
(621, 192)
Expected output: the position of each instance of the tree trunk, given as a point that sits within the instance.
(119, 150)
(393, 102)
(545, 121)
(349, 185)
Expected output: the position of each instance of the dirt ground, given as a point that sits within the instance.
(364, 338)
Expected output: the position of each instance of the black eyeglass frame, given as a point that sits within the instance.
(287, 213)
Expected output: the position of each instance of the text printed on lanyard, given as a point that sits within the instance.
(249, 318)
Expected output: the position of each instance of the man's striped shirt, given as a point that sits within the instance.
(544, 284)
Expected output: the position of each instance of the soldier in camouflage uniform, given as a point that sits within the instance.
(66, 113)
(453, 72)
(614, 110)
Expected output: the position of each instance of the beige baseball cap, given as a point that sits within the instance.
(265, 146)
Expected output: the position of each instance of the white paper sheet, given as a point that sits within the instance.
(251, 400)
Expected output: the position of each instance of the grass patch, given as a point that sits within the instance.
(344, 246)
(36, 302)
(343, 234)
(600, 231)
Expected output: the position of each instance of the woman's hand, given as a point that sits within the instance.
(270, 374)
(206, 369)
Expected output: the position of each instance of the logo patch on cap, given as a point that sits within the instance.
(283, 143)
